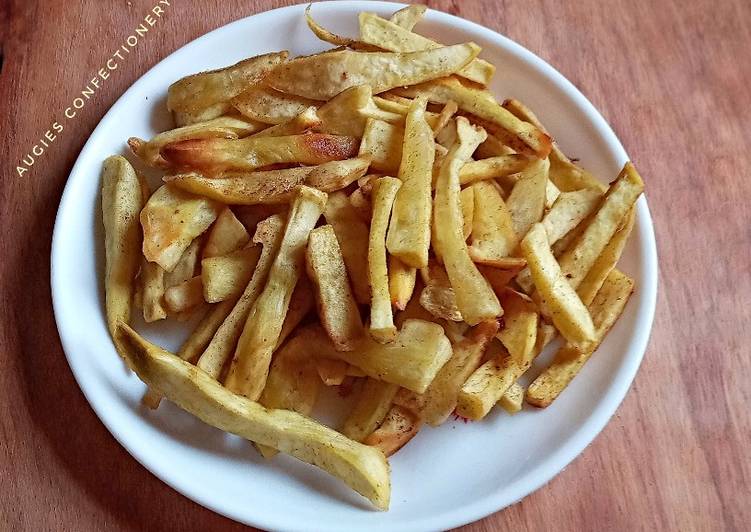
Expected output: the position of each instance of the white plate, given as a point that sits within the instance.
(445, 477)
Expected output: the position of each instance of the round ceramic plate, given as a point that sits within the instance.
(445, 477)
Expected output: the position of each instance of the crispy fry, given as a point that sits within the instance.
(521, 136)
(352, 235)
(184, 296)
(171, 220)
(301, 123)
(568, 211)
(606, 307)
(122, 200)
(408, 16)
(186, 267)
(526, 203)
(401, 282)
(438, 297)
(371, 406)
(447, 113)
(227, 234)
(398, 427)
(152, 291)
(383, 142)
(323, 76)
(214, 156)
(568, 313)
(492, 147)
(493, 237)
(512, 400)
(226, 277)
(519, 332)
(347, 112)
(207, 95)
(301, 303)
(267, 105)
(381, 326)
(268, 234)
(364, 470)
(467, 201)
(387, 35)
(249, 368)
(493, 168)
(337, 309)
(409, 231)
(474, 296)
(329, 37)
(499, 278)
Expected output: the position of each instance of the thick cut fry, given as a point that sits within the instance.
(439, 400)
(184, 296)
(383, 143)
(607, 260)
(293, 383)
(399, 426)
(408, 16)
(122, 200)
(467, 200)
(563, 172)
(371, 406)
(493, 237)
(521, 136)
(520, 323)
(401, 282)
(606, 307)
(568, 313)
(337, 308)
(272, 186)
(384, 34)
(187, 265)
(323, 76)
(352, 235)
(306, 120)
(412, 360)
(347, 112)
(152, 291)
(381, 326)
(526, 203)
(512, 400)
(171, 219)
(269, 234)
(300, 305)
(250, 366)
(409, 231)
(227, 234)
(487, 385)
(208, 94)
(226, 277)
(474, 296)
(493, 168)
(264, 104)
(363, 469)
(438, 297)
(214, 156)
(227, 127)
(615, 208)
(568, 211)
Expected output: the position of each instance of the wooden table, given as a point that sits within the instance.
(673, 78)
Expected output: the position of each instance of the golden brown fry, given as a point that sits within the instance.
(568, 313)
(467, 201)
(399, 426)
(337, 309)
(513, 399)
(186, 267)
(267, 105)
(301, 123)
(301, 303)
(568, 211)
(387, 35)
(152, 291)
(207, 95)
(371, 406)
(323, 76)
(250, 365)
(347, 112)
(381, 326)
(383, 143)
(268, 234)
(438, 297)
(551, 193)
(184, 296)
(227, 234)
(171, 219)
(474, 296)
(122, 200)
(409, 231)
(364, 470)
(520, 323)
(228, 127)
(447, 113)
(493, 237)
(526, 203)
(331, 38)
(352, 235)
(401, 282)
(214, 156)
(493, 168)
(408, 16)
(226, 277)
(606, 307)
(615, 208)
(521, 136)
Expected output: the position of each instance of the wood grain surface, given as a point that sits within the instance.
(673, 78)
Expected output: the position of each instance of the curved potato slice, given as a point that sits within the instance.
(323, 76)
(362, 468)
(409, 16)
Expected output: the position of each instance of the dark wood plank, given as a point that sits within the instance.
(671, 77)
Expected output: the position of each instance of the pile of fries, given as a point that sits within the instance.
(369, 217)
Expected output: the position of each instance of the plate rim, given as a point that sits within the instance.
(542, 472)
